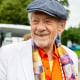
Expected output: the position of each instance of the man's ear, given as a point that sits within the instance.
(61, 27)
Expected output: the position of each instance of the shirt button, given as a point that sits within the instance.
(45, 55)
(47, 68)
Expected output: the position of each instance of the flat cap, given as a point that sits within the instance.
(50, 7)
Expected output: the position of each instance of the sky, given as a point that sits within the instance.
(74, 17)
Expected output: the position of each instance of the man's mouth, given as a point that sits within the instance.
(41, 34)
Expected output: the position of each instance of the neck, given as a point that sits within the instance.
(49, 50)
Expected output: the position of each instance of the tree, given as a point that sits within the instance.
(12, 12)
(71, 34)
(1, 1)
(63, 2)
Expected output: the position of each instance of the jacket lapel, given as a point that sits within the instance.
(26, 59)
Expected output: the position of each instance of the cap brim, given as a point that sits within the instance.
(49, 13)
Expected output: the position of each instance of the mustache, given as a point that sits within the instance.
(41, 33)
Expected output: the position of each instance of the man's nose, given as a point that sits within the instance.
(41, 26)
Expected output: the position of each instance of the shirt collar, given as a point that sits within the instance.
(44, 55)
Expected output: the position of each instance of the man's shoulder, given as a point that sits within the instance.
(19, 44)
(69, 51)
(14, 48)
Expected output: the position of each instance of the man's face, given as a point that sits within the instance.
(43, 29)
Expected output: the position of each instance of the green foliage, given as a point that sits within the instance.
(77, 52)
(1, 1)
(63, 2)
(14, 11)
(72, 34)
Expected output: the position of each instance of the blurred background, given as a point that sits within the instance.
(14, 23)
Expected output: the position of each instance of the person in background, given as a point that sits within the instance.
(27, 37)
(69, 43)
(42, 57)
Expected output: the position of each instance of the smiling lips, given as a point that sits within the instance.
(41, 34)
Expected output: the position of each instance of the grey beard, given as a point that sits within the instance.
(41, 46)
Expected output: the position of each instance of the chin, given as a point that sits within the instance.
(42, 44)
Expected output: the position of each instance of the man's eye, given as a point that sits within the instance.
(47, 21)
(34, 20)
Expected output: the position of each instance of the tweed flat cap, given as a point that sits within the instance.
(50, 7)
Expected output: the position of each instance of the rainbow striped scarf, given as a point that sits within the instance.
(66, 63)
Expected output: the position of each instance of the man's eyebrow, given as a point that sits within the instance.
(34, 17)
(50, 17)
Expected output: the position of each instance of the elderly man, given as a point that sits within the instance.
(42, 57)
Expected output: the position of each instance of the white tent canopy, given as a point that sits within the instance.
(16, 30)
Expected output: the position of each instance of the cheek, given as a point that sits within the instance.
(32, 31)
(33, 28)
(53, 33)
